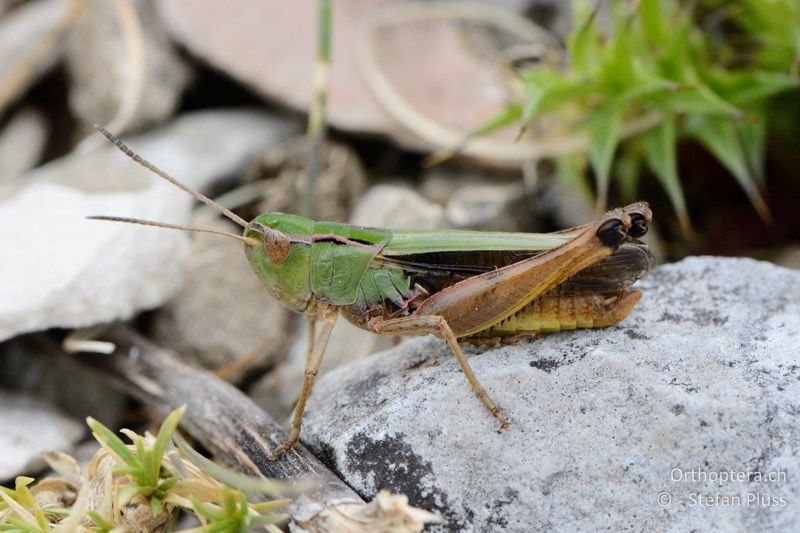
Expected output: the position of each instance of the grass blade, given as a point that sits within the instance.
(604, 137)
(108, 439)
(719, 136)
(661, 156)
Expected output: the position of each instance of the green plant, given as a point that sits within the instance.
(235, 514)
(705, 69)
(142, 466)
(145, 484)
(30, 516)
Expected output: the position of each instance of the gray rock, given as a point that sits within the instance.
(682, 417)
(20, 64)
(124, 70)
(66, 271)
(391, 206)
(491, 207)
(22, 142)
(30, 427)
(441, 182)
(222, 313)
(274, 55)
(431, 64)
(480, 199)
(60, 380)
(340, 182)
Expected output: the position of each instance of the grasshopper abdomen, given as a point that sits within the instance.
(558, 312)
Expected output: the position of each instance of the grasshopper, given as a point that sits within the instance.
(458, 285)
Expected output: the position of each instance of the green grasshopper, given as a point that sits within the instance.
(454, 284)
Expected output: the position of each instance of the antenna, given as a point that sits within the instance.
(154, 169)
(248, 240)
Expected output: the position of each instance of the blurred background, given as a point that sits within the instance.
(562, 107)
(513, 115)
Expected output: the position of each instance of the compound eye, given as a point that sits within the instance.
(276, 246)
(612, 232)
(638, 225)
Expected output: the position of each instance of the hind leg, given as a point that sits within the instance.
(437, 325)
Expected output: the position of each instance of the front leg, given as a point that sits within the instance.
(316, 350)
(437, 325)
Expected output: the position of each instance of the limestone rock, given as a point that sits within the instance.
(27, 48)
(31, 427)
(222, 313)
(392, 206)
(65, 271)
(682, 417)
(340, 183)
(447, 70)
(123, 66)
(22, 142)
(61, 381)
(491, 207)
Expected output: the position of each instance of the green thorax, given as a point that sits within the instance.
(327, 260)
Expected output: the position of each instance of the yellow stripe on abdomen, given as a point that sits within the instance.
(556, 312)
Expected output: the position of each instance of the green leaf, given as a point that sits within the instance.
(753, 136)
(155, 505)
(661, 156)
(536, 89)
(150, 467)
(107, 437)
(695, 99)
(649, 86)
(675, 61)
(618, 72)
(132, 471)
(141, 453)
(571, 171)
(243, 505)
(775, 25)
(604, 130)
(547, 89)
(507, 116)
(126, 494)
(719, 136)
(99, 521)
(21, 526)
(628, 170)
(165, 433)
(743, 88)
(243, 482)
(652, 16)
(270, 506)
(579, 43)
(207, 512)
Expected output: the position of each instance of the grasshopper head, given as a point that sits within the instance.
(641, 216)
(278, 249)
